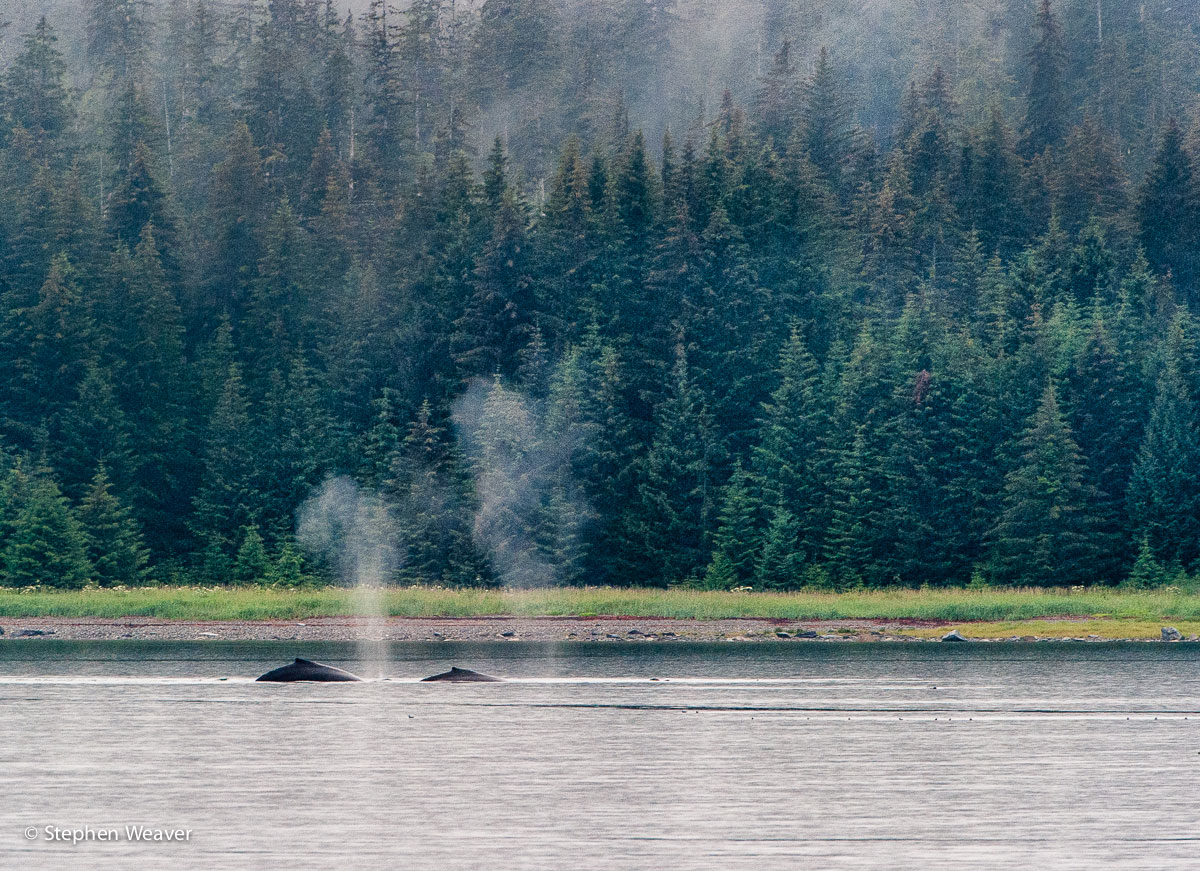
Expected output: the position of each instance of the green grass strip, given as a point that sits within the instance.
(941, 605)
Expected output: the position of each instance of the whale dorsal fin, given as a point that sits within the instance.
(300, 661)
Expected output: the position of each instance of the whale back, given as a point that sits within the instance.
(462, 675)
(307, 670)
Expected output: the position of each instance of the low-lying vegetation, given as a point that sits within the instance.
(933, 605)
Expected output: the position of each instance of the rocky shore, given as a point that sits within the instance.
(500, 629)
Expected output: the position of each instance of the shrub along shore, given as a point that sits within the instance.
(937, 606)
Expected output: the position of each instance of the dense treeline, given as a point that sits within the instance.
(248, 247)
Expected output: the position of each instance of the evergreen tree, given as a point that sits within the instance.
(495, 325)
(93, 433)
(201, 78)
(857, 517)
(676, 493)
(1104, 393)
(50, 346)
(35, 89)
(781, 564)
(777, 104)
(336, 90)
(989, 181)
(605, 461)
(827, 132)
(294, 424)
(424, 482)
(1164, 490)
(1044, 532)
(280, 311)
(252, 565)
(1045, 103)
(44, 544)
(736, 540)
(1168, 210)
(1091, 181)
(793, 463)
(138, 204)
(288, 569)
(226, 501)
(720, 574)
(114, 542)
(118, 33)
(1148, 572)
(236, 206)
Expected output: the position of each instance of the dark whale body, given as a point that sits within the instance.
(305, 669)
(463, 675)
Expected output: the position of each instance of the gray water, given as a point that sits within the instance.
(740, 756)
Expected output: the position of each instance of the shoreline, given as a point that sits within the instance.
(558, 629)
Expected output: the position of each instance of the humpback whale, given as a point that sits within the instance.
(463, 675)
(306, 669)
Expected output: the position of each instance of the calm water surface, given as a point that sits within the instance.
(839, 756)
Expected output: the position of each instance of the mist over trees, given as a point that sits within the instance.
(603, 291)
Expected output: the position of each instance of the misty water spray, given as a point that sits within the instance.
(355, 533)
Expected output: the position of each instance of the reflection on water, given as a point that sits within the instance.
(605, 756)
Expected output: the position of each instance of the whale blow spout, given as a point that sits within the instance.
(305, 669)
(463, 675)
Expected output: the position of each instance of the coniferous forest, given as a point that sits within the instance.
(635, 292)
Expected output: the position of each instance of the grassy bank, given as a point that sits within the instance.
(942, 606)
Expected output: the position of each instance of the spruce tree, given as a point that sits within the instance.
(114, 541)
(675, 510)
(720, 574)
(859, 506)
(227, 500)
(297, 432)
(93, 432)
(495, 325)
(781, 563)
(827, 131)
(44, 544)
(1164, 489)
(990, 200)
(606, 462)
(236, 207)
(1090, 180)
(35, 87)
(1147, 571)
(777, 103)
(288, 568)
(252, 565)
(139, 206)
(280, 304)
(1168, 210)
(49, 347)
(1045, 102)
(793, 463)
(736, 540)
(1045, 533)
(1104, 394)
(156, 392)
(425, 483)
(118, 33)
(568, 428)
(382, 440)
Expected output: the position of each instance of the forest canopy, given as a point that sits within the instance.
(633, 292)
